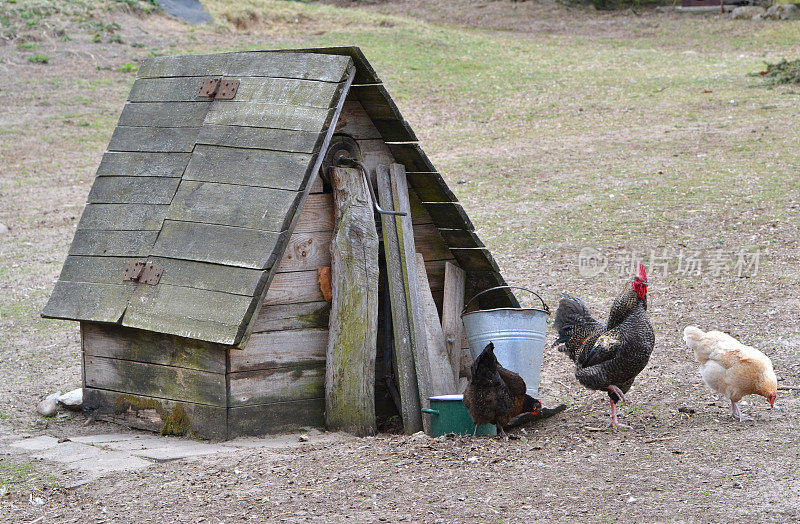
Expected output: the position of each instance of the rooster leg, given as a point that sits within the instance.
(614, 422)
(737, 413)
(618, 392)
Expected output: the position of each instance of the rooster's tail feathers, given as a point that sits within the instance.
(571, 311)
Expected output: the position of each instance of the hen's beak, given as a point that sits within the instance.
(560, 341)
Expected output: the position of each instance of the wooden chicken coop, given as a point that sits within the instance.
(197, 268)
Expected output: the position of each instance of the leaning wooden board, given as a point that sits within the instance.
(353, 327)
(407, 317)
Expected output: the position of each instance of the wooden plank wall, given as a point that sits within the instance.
(278, 379)
(157, 382)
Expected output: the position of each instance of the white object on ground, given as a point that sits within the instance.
(72, 400)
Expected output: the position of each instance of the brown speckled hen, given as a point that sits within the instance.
(495, 394)
(608, 357)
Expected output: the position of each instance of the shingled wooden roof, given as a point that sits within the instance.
(209, 189)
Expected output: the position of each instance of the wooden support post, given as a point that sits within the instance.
(398, 243)
(353, 325)
(453, 302)
(443, 382)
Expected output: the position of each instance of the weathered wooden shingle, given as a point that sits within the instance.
(211, 191)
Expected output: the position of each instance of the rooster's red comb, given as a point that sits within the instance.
(641, 273)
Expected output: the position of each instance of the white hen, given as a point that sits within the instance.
(732, 369)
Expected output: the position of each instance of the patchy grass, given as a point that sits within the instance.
(39, 59)
(11, 474)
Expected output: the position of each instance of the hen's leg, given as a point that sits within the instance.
(614, 422)
(737, 413)
(475, 431)
(502, 431)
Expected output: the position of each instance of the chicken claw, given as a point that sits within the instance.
(737, 413)
(502, 432)
(618, 392)
(614, 422)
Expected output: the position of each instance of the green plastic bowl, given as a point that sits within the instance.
(449, 415)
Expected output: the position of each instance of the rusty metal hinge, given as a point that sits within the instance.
(133, 271)
(227, 89)
(209, 88)
(146, 272)
(220, 89)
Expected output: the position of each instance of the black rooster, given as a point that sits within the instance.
(608, 357)
(496, 395)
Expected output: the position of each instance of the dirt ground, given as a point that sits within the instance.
(625, 133)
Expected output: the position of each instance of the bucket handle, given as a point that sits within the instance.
(546, 309)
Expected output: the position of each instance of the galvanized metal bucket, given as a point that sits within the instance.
(518, 335)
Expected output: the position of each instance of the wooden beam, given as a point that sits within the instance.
(154, 380)
(353, 326)
(164, 114)
(398, 241)
(133, 190)
(214, 316)
(282, 317)
(308, 66)
(88, 301)
(261, 138)
(248, 167)
(153, 139)
(443, 380)
(250, 207)
(453, 302)
(214, 243)
(143, 164)
(275, 417)
(281, 349)
(267, 386)
(294, 287)
(115, 342)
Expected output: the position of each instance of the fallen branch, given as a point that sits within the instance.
(789, 388)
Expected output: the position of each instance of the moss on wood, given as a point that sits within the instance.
(175, 421)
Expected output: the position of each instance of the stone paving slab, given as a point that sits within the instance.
(91, 459)
(175, 452)
(104, 453)
(142, 442)
(36, 443)
(68, 452)
(104, 438)
(108, 461)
